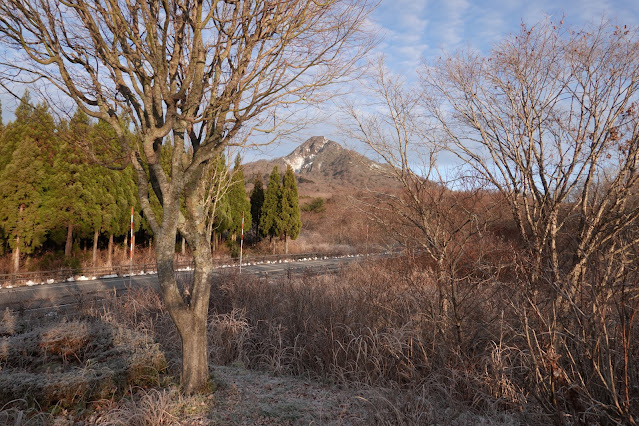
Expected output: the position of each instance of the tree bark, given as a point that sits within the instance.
(94, 257)
(195, 367)
(69, 244)
(189, 312)
(126, 246)
(285, 243)
(16, 256)
(183, 246)
(16, 251)
(110, 251)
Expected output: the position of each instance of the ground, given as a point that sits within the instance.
(243, 397)
(248, 397)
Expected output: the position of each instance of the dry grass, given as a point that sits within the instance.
(154, 407)
(68, 363)
(380, 330)
(377, 326)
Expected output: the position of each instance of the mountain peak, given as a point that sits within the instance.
(321, 162)
(302, 159)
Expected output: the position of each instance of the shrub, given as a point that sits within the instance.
(72, 362)
(74, 264)
(315, 206)
(234, 248)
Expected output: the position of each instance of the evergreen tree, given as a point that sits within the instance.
(270, 223)
(238, 201)
(16, 130)
(257, 201)
(70, 202)
(114, 191)
(290, 217)
(122, 189)
(27, 152)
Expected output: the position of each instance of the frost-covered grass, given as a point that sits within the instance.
(68, 362)
(359, 347)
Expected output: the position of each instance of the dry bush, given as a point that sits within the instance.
(431, 405)
(154, 407)
(340, 228)
(227, 334)
(71, 362)
(143, 310)
(376, 324)
(9, 323)
(66, 338)
(6, 264)
(577, 355)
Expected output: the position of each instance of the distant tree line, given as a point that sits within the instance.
(54, 192)
(276, 210)
(51, 194)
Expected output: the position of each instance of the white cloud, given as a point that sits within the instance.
(453, 25)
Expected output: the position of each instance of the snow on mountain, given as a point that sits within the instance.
(302, 158)
(321, 161)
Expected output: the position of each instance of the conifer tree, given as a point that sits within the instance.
(114, 192)
(238, 201)
(16, 129)
(257, 201)
(270, 223)
(27, 150)
(290, 217)
(69, 201)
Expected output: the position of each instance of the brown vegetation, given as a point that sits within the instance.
(68, 363)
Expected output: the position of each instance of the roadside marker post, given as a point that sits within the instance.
(241, 242)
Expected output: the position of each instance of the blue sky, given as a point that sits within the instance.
(418, 30)
(414, 30)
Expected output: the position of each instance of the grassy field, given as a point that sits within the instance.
(376, 343)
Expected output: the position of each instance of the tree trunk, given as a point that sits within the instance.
(16, 257)
(126, 246)
(94, 257)
(273, 243)
(195, 366)
(110, 251)
(69, 244)
(183, 246)
(189, 312)
(285, 243)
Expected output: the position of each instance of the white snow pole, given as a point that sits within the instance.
(241, 242)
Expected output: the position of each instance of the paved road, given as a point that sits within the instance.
(47, 296)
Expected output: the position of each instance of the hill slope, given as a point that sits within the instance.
(324, 165)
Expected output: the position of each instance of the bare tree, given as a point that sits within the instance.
(549, 119)
(546, 119)
(425, 213)
(193, 72)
